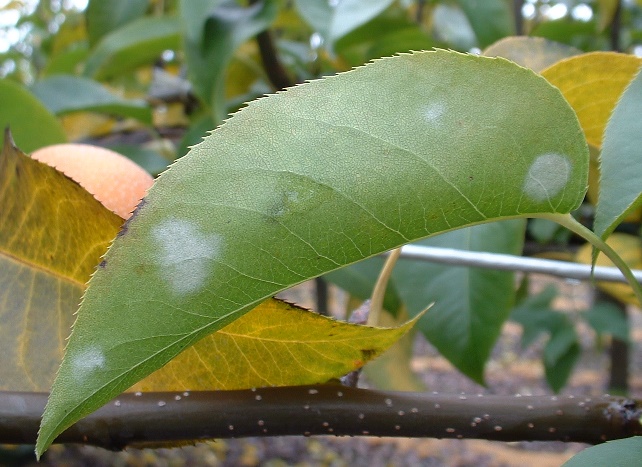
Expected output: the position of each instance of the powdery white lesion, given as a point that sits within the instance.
(185, 254)
(547, 176)
(86, 362)
(433, 112)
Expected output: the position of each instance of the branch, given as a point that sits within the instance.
(327, 410)
(273, 67)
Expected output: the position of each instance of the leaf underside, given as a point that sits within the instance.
(306, 181)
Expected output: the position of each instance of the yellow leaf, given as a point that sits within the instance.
(275, 344)
(393, 370)
(629, 247)
(52, 235)
(535, 53)
(592, 83)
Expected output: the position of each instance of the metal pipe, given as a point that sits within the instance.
(514, 263)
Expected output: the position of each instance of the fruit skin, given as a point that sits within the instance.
(114, 180)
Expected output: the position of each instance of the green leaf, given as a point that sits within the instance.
(32, 125)
(535, 53)
(66, 62)
(453, 27)
(104, 17)
(52, 235)
(275, 344)
(306, 181)
(150, 160)
(618, 453)
(64, 93)
(471, 304)
(562, 349)
(620, 167)
(560, 357)
(490, 19)
(608, 318)
(225, 28)
(335, 21)
(385, 35)
(139, 42)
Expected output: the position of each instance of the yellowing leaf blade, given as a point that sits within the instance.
(52, 235)
(592, 84)
(275, 344)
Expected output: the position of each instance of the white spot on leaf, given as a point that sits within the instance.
(547, 176)
(86, 362)
(185, 254)
(434, 111)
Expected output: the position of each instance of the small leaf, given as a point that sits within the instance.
(491, 19)
(621, 162)
(104, 17)
(335, 21)
(306, 181)
(52, 235)
(139, 42)
(275, 344)
(621, 452)
(33, 126)
(535, 53)
(471, 304)
(64, 93)
(562, 349)
(608, 318)
(452, 26)
(592, 84)
(226, 26)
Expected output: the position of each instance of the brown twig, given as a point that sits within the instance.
(274, 69)
(136, 419)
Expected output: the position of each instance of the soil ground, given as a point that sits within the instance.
(511, 370)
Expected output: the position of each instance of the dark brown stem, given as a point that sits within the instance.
(517, 15)
(616, 26)
(273, 67)
(133, 419)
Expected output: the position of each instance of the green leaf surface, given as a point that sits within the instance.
(471, 304)
(65, 93)
(139, 42)
(32, 125)
(619, 453)
(621, 161)
(607, 318)
(52, 235)
(306, 181)
(452, 26)
(490, 19)
(535, 53)
(562, 350)
(148, 159)
(225, 28)
(104, 17)
(384, 36)
(335, 21)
